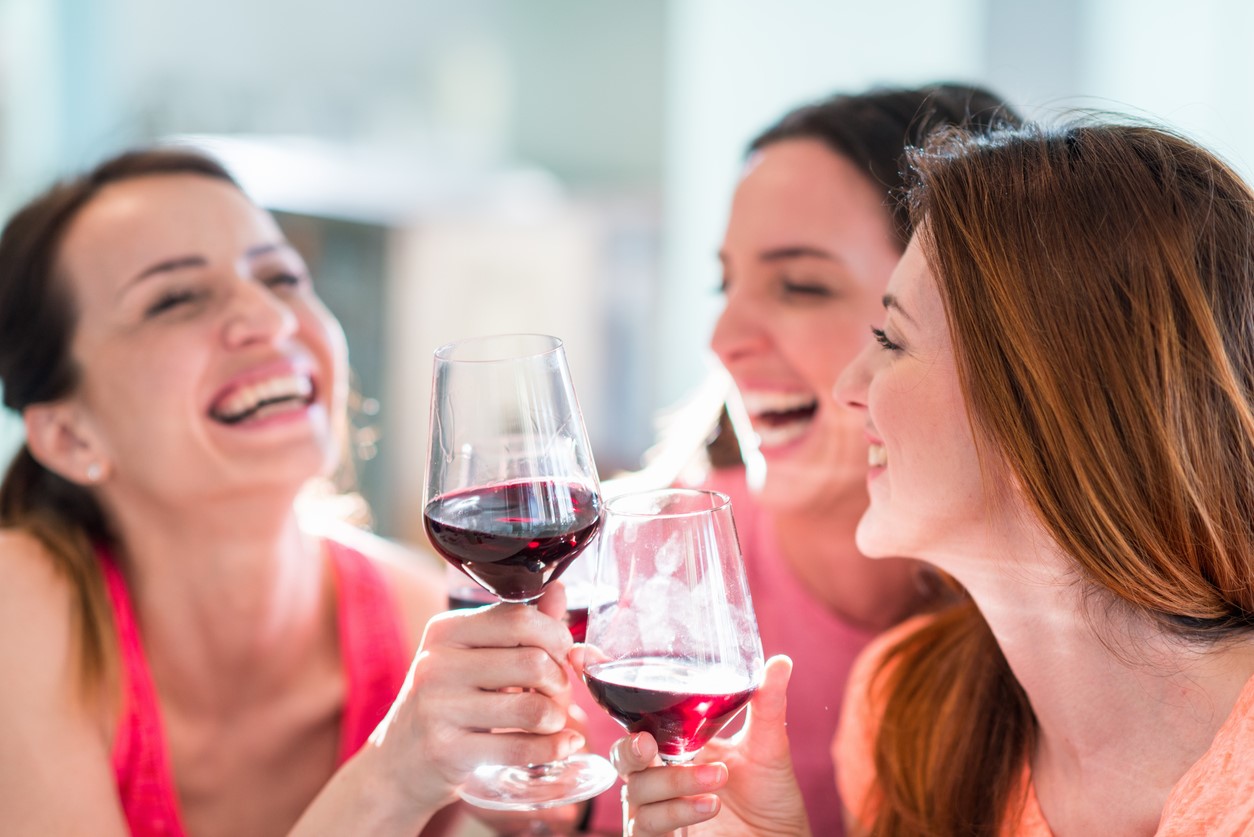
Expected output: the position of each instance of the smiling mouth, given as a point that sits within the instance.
(780, 417)
(265, 398)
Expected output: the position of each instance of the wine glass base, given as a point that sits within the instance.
(499, 788)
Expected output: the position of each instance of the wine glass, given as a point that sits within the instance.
(677, 653)
(512, 498)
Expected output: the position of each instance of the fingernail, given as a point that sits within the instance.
(635, 747)
(708, 774)
(705, 804)
(576, 742)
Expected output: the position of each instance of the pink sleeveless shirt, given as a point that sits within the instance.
(790, 621)
(372, 648)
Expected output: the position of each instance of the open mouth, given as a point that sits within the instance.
(263, 399)
(780, 417)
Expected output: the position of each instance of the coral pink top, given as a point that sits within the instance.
(792, 622)
(1215, 796)
(372, 648)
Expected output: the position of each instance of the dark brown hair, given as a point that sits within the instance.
(1098, 281)
(875, 129)
(37, 322)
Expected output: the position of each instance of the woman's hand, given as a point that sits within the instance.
(740, 786)
(486, 687)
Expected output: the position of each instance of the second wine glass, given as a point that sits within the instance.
(677, 654)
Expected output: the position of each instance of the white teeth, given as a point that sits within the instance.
(248, 398)
(773, 437)
(876, 456)
(760, 402)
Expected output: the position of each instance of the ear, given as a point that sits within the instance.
(61, 440)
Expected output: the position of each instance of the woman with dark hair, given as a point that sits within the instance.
(1061, 415)
(814, 231)
(185, 652)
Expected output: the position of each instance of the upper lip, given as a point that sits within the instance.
(874, 440)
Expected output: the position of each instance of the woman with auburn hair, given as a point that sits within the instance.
(186, 652)
(1061, 416)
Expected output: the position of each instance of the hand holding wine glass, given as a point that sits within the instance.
(677, 655)
(512, 498)
(744, 786)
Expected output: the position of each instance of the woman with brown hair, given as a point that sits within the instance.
(185, 652)
(1061, 417)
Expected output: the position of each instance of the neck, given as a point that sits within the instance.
(1123, 708)
(818, 545)
(229, 595)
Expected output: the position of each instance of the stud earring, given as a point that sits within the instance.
(94, 472)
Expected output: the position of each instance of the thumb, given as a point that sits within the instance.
(766, 730)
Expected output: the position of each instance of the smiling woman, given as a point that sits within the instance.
(194, 656)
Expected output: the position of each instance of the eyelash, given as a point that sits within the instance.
(804, 289)
(290, 279)
(173, 299)
(882, 338)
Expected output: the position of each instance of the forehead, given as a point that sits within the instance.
(914, 286)
(803, 185)
(132, 224)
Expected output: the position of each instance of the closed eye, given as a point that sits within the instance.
(170, 300)
(806, 288)
(285, 280)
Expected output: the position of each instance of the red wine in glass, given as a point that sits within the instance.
(681, 703)
(514, 537)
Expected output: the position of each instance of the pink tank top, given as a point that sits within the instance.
(375, 663)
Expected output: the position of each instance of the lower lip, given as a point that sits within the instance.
(301, 415)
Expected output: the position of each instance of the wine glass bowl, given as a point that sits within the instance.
(512, 491)
(512, 498)
(677, 654)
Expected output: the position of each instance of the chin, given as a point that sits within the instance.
(874, 537)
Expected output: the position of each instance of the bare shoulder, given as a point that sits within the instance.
(55, 734)
(33, 593)
(415, 576)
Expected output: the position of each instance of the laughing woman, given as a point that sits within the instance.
(182, 654)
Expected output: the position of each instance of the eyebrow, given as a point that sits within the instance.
(779, 254)
(184, 262)
(800, 251)
(892, 302)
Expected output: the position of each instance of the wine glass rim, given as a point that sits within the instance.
(717, 502)
(550, 345)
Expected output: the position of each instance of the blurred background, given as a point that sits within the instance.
(561, 166)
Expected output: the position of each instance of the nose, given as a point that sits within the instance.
(739, 330)
(854, 380)
(256, 315)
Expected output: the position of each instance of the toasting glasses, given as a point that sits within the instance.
(677, 654)
(512, 498)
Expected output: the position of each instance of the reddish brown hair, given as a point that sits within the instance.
(1098, 282)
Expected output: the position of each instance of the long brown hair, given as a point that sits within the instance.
(1098, 281)
(37, 322)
